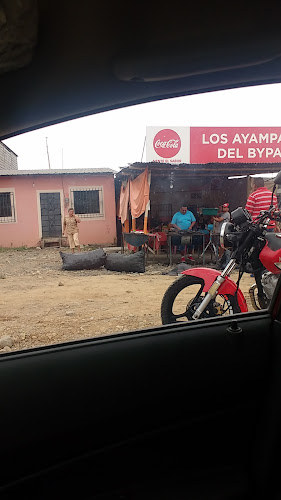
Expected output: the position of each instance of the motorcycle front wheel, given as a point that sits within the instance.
(183, 297)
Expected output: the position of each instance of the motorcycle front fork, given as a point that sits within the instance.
(261, 297)
(212, 292)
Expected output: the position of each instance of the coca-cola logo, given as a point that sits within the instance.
(167, 143)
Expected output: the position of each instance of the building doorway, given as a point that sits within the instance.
(50, 205)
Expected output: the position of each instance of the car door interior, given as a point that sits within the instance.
(154, 414)
(187, 411)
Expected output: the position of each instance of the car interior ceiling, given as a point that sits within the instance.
(186, 411)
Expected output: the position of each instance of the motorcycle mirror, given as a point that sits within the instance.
(277, 179)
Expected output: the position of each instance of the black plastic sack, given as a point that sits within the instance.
(133, 263)
(83, 260)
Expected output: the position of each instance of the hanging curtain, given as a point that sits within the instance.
(124, 201)
(139, 194)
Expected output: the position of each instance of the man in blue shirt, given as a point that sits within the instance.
(182, 221)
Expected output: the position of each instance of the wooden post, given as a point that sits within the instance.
(147, 208)
(145, 223)
(126, 226)
(133, 224)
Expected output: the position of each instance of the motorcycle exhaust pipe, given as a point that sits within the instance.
(253, 298)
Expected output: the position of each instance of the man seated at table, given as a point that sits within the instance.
(182, 221)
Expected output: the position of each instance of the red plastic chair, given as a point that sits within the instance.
(160, 241)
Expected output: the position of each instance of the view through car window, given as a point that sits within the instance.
(159, 213)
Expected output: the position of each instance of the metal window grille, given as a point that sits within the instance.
(7, 207)
(216, 184)
(87, 202)
(196, 196)
(161, 211)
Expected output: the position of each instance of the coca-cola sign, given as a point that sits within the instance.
(167, 143)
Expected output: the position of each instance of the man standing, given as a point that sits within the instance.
(70, 227)
(260, 200)
(224, 216)
(182, 221)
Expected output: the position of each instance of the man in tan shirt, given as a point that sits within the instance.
(70, 227)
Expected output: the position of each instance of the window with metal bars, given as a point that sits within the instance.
(7, 207)
(87, 202)
(196, 196)
(162, 211)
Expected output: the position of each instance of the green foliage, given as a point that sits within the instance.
(17, 249)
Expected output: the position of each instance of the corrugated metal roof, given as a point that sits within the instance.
(59, 171)
(197, 170)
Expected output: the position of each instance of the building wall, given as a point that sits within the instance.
(200, 192)
(26, 229)
(8, 159)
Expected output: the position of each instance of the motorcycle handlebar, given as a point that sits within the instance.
(269, 214)
(276, 215)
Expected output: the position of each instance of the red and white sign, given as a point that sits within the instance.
(235, 144)
(167, 145)
(213, 144)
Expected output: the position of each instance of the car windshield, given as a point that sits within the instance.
(101, 215)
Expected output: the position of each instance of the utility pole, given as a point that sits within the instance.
(143, 148)
(48, 152)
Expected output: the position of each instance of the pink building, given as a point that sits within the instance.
(33, 204)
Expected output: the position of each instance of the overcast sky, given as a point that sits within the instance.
(116, 138)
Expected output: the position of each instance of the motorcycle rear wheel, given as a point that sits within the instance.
(172, 293)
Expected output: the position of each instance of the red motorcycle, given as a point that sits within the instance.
(204, 293)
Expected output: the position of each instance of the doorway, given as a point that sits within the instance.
(50, 205)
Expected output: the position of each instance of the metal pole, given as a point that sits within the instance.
(143, 148)
(48, 152)
(249, 185)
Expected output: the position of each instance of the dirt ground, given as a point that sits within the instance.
(40, 304)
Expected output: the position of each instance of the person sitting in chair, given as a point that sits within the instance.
(182, 220)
